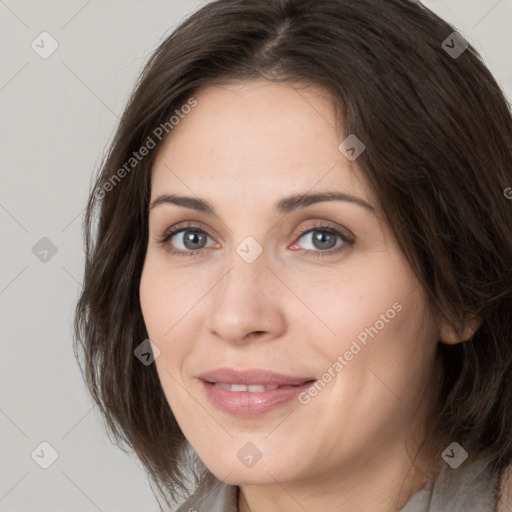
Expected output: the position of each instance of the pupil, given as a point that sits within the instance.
(193, 237)
(321, 240)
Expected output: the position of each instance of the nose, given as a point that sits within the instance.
(247, 303)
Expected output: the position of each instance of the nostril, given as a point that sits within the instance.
(256, 333)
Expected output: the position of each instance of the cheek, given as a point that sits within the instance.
(357, 303)
(167, 298)
(172, 303)
(164, 302)
(377, 315)
(152, 301)
(389, 345)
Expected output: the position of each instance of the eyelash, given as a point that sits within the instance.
(348, 241)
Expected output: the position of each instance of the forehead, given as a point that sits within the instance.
(257, 137)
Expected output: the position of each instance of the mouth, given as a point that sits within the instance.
(254, 388)
(252, 392)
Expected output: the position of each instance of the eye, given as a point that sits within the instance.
(187, 240)
(324, 240)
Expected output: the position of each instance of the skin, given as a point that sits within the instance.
(351, 448)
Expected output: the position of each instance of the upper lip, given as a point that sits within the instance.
(251, 376)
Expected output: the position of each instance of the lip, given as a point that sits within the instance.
(246, 404)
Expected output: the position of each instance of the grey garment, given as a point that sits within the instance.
(219, 497)
(469, 488)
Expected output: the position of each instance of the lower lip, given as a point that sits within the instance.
(246, 404)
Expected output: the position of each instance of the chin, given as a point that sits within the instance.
(260, 473)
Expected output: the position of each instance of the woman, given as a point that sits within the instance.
(299, 287)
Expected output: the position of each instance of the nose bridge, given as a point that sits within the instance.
(246, 299)
(246, 283)
(246, 266)
(248, 272)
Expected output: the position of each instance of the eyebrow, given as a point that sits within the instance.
(283, 206)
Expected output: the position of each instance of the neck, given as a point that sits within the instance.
(383, 484)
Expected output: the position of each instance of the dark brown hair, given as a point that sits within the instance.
(437, 131)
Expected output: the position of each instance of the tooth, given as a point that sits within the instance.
(256, 388)
(253, 388)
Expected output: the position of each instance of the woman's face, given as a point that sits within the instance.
(309, 290)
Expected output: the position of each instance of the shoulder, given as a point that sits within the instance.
(212, 496)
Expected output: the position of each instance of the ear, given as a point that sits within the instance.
(467, 329)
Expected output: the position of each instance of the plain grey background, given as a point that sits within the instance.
(57, 116)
